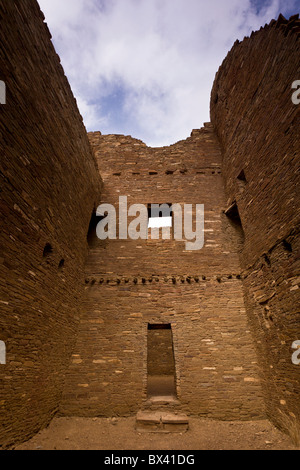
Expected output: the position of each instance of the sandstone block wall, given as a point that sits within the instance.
(130, 284)
(76, 329)
(48, 187)
(258, 126)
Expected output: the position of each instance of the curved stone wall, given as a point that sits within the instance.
(258, 127)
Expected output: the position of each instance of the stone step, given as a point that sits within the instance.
(165, 400)
(161, 403)
(161, 422)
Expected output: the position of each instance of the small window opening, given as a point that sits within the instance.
(242, 181)
(48, 250)
(161, 362)
(61, 264)
(233, 213)
(267, 260)
(160, 215)
(242, 177)
(234, 216)
(287, 246)
(268, 317)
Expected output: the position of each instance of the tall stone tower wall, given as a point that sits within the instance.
(258, 127)
(48, 187)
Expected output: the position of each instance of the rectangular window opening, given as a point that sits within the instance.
(160, 216)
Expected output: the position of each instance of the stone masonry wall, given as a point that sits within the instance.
(130, 284)
(258, 126)
(75, 326)
(49, 185)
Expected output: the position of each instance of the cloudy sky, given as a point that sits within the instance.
(146, 67)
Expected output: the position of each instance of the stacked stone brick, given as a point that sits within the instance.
(48, 187)
(75, 318)
(131, 284)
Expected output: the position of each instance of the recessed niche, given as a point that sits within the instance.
(242, 181)
(61, 264)
(242, 177)
(234, 216)
(287, 246)
(48, 250)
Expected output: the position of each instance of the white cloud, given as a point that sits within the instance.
(162, 56)
(91, 113)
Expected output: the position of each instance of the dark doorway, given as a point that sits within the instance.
(161, 362)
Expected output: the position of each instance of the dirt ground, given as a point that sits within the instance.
(120, 434)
